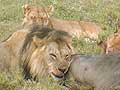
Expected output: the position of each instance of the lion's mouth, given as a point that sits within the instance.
(58, 76)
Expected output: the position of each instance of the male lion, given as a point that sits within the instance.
(111, 44)
(102, 72)
(75, 28)
(39, 50)
(45, 51)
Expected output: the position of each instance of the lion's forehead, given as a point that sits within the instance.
(66, 50)
(56, 48)
(36, 12)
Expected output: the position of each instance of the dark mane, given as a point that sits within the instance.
(44, 32)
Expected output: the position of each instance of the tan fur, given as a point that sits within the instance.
(111, 44)
(10, 50)
(41, 52)
(75, 28)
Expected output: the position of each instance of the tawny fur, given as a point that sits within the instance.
(10, 50)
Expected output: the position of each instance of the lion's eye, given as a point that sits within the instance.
(53, 55)
(41, 18)
(66, 56)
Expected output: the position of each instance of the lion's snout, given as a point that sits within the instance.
(62, 70)
(57, 72)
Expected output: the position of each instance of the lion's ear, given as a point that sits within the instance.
(49, 9)
(37, 41)
(26, 8)
(102, 44)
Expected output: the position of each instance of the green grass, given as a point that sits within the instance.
(17, 83)
(102, 12)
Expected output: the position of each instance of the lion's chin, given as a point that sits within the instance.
(57, 77)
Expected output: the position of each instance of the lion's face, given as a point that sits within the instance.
(34, 14)
(57, 58)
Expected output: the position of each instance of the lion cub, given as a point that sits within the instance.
(34, 14)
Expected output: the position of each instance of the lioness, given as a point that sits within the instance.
(34, 14)
(75, 28)
(111, 44)
(39, 51)
(100, 71)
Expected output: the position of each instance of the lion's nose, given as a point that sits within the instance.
(62, 70)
